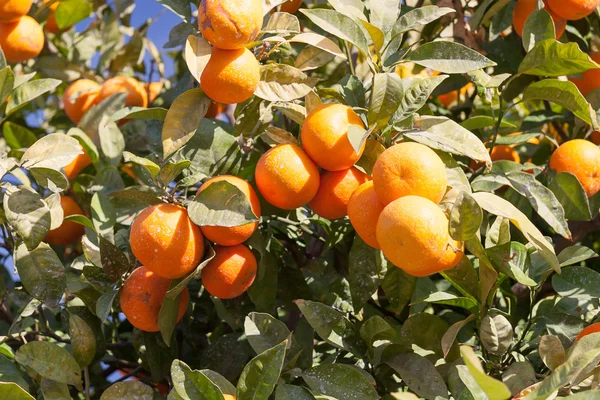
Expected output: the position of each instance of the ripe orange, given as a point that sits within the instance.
(68, 232)
(290, 6)
(230, 24)
(593, 328)
(523, 10)
(409, 169)
(364, 209)
(136, 93)
(230, 76)
(79, 97)
(449, 98)
(582, 159)
(335, 189)
(413, 234)
(590, 79)
(228, 397)
(142, 297)
(213, 110)
(153, 90)
(500, 152)
(595, 137)
(287, 177)
(231, 272)
(78, 164)
(325, 136)
(229, 236)
(22, 39)
(166, 241)
(51, 24)
(573, 9)
(11, 10)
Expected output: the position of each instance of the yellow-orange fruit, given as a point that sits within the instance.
(590, 79)
(523, 10)
(287, 177)
(291, 6)
(230, 76)
(166, 241)
(449, 98)
(582, 159)
(230, 24)
(136, 93)
(364, 209)
(325, 136)
(22, 39)
(78, 164)
(595, 137)
(213, 110)
(228, 397)
(413, 234)
(231, 272)
(79, 97)
(142, 297)
(153, 90)
(68, 232)
(335, 189)
(504, 152)
(51, 24)
(588, 330)
(11, 10)
(229, 236)
(409, 169)
(573, 9)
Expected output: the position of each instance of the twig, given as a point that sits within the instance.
(86, 374)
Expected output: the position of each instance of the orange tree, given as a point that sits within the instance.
(326, 200)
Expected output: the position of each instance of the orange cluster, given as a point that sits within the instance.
(232, 73)
(21, 37)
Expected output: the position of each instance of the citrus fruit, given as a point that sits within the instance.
(231, 272)
(166, 241)
(523, 10)
(229, 236)
(11, 10)
(136, 93)
(447, 99)
(213, 110)
(582, 159)
(409, 169)
(153, 90)
(230, 76)
(290, 6)
(228, 397)
(595, 137)
(325, 136)
(79, 163)
(21, 39)
(593, 328)
(230, 24)
(68, 232)
(590, 79)
(573, 9)
(142, 297)
(335, 189)
(79, 97)
(287, 177)
(364, 208)
(413, 234)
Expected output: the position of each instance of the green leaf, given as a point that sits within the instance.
(10, 390)
(485, 121)
(29, 91)
(44, 357)
(42, 273)
(517, 139)
(291, 392)
(282, 82)
(52, 151)
(193, 384)
(386, 95)
(112, 141)
(367, 267)
(260, 375)
(158, 113)
(104, 304)
(511, 259)
(182, 119)
(464, 278)
(377, 36)
(420, 375)
(28, 215)
(87, 338)
(221, 204)
(170, 171)
(9, 372)
(91, 119)
(425, 331)
(114, 261)
(575, 254)
(496, 333)
(353, 91)
(7, 81)
(197, 54)
(450, 299)
(563, 93)
(383, 14)
(70, 12)
(49, 178)
(167, 316)
(538, 28)
(553, 58)
(150, 166)
(283, 23)
(17, 136)
(414, 96)
(465, 217)
(551, 351)
(224, 385)
(398, 287)
(450, 336)
(340, 381)
(449, 58)
(577, 281)
(128, 390)
(518, 376)
(182, 283)
(494, 389)
(374, 329)
(264, 332)
(181, 8)
(569, 192)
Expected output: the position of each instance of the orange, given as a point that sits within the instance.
(22, 39)
(166, 241)
(229, 236)
(153, 90)
(504, 152)
(228, 397)
(409, 169)
(413, 234)
(582, 159)
(595, 137)
(590, 79)
(325, 136)
(142, 297)
(68, 232)
(573, 9)
(290, 6)
(213, 110)
(523, 10)
(451, 97)
(136, 93)
(593, 328)
(230, 24)
(335, 189)
(11, 10)
(79, 98)
(230, 76)
(287, 177)
(364, 209)
(51, 24)
(231, 272)
(78, 164)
